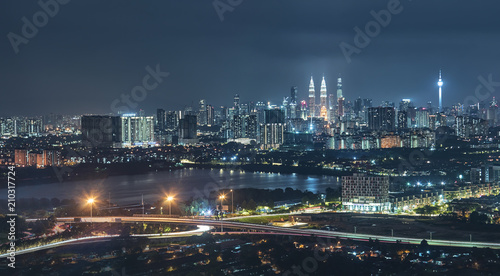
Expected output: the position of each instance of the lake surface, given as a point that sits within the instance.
(128, 189)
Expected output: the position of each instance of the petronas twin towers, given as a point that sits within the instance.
(322, 110)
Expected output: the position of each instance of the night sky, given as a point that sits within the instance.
(91, 52)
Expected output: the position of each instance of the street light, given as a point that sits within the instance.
(169, 199)
(221, 197)
(232, 202)
(90, 201)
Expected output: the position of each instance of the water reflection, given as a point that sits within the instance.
(128, 189)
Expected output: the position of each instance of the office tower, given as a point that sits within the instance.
(365, 193)
(323, 100)
(236, 101)
(312, 99)
(244, 126)
(101, 131)
(210, 115)
(251, 126)
(160, 120)
(286, 107)
(274, 116)
(272, 132)
(367, 103)
(422, 118)
(340, 106)
(339, 87)
(331, 106)
(293, 103)
(259, 110)
(403, 122)
(171, 121)
(382, 118)
(137, 130)
(293, 94)
(303, 110)
(405, 104)
(358, 106)
(340, 98)
(237, 126)
(202, 113)
(188, 130)
(491, 113)
(440, 84)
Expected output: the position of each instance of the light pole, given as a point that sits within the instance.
(354, 229)
(232, 202)
(169, 199)
(90, 201)
(392, 232)
(221, 197)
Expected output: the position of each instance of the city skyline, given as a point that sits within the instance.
(202, 53)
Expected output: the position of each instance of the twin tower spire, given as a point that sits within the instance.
(323, 106)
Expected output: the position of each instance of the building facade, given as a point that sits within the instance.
(364, 193)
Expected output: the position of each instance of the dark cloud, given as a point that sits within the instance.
(91, 52)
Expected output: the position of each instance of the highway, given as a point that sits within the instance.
(206, 224)
(201, 229)
(290, 231)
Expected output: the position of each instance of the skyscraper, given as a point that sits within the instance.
(237, 101)
(101, 131)
(137, 130)
(210, 115)
(339, 88)
(293, 95)
(272, 132)
(323, 100)
(202, 113)
(293, 103)
(312, 99)
(161, 120)
(440, 84)
(188, 130)
(382, 118)
(340, 98)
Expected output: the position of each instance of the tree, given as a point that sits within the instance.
(251, 205)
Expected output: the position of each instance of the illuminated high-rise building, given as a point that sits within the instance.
(101, 131)
(137, 130)
(340, 98)
(312, 99)
(323, 100)
(440, 84)
(339, 88)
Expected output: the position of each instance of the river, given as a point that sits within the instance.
(129, 189)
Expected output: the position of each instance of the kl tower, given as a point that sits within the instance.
(440, 84)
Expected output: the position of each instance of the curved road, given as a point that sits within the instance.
(203, 226)
(286, 231)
